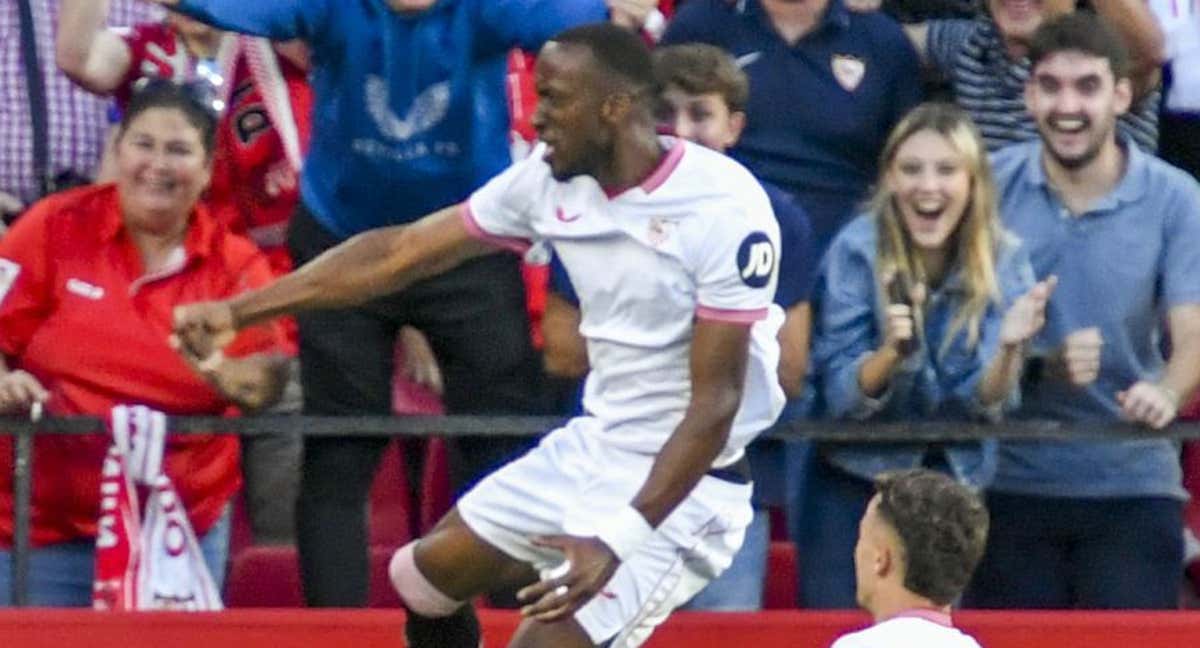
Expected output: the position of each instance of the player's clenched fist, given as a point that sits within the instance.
(1148, 403)
(203, 328)
(1078, 359)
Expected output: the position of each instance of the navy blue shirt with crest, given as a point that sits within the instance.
(819, 110)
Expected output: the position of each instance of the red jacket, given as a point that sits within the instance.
(78, 312)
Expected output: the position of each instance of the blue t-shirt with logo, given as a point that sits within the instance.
(409, 110)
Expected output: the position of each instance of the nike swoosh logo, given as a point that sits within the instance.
(562, 216)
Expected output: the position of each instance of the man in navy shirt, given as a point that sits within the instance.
(409, 115)
(826, 87)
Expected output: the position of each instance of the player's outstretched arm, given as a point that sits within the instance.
(368, 265)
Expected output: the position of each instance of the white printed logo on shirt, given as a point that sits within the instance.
(428, 109)
(756, 259)
(84, 289)
(8, 276)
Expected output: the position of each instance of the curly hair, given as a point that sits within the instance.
(942, 526)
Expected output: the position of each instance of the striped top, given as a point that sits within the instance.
(990, 86)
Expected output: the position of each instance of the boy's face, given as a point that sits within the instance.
(704, 119)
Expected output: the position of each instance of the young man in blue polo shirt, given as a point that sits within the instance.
(826, 87)
(1095, 524)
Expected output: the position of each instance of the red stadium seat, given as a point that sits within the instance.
(381, 594)
(780, 589)
(436, 497)
(264, 576)
(390, 501)
(269, 577)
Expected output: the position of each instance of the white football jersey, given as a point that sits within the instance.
(697, 239)
(908, 631)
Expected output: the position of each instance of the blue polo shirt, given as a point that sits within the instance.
(820, 110)
(409, 110)
(1120, 267)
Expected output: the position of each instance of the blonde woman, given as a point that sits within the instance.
(924, 305)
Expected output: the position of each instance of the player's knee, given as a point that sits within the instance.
(419, 595)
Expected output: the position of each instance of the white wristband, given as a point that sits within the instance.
(625, 532)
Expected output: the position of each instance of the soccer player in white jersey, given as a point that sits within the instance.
(628, 511)
(918, 544)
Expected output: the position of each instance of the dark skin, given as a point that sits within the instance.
(597, 125)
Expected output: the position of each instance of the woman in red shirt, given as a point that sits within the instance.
(88, 281)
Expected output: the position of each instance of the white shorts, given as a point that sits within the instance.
(570, 484)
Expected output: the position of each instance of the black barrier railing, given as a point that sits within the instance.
(508, 426)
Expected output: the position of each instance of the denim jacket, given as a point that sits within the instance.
(936, 382)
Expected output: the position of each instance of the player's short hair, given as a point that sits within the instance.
(942, 526)
(699, 68)
(621, 54)
(1081, 31)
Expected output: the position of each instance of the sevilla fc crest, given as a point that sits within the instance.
(848, 70)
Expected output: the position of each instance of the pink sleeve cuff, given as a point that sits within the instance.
(731, 316)
(518, 245)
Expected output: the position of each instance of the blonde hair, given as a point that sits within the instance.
(975, 239)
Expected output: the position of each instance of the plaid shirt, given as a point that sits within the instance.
(77, 120)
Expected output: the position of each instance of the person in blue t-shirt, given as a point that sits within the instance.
(826, 87)
(409, 115)
(1095, 523)
(703, 99)
(923, 308)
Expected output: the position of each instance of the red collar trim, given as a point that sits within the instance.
(659, 175)
(934, 616)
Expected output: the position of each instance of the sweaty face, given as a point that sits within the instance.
(162, 168)
(1018, 19)
(568, 116)
(1075, 101)
(930, 182)
(704, 119)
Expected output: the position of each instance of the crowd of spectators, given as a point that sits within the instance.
(1064, 287)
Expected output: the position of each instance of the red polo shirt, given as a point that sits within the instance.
(78, 312)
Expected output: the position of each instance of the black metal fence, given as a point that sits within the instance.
(24, 430)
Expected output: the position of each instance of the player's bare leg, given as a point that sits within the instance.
(566, 633)
(438, 575)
